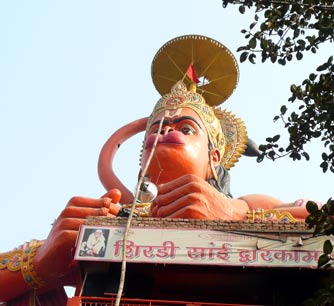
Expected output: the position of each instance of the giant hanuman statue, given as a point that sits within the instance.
(190, 144)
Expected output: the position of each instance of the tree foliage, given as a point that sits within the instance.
(281, 31)
(322, 220)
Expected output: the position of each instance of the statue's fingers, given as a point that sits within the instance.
(114, 209)
(89, 202)
(171, 209)
(185, 212)
(184, 190)
(186, 180)
(114, 194)
(83, 212)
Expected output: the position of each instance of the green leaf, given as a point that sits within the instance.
(309, 219)
(322, 67)
(243, 56)
(311, 207)
(251, 58)
(312, 76)
(324, 166)
(252, 25)
(242, 9)
(273, 58)
(276, 138)
(323, 259)
(293, 88)
(301, 42)
(259, 159)
(328, 247)
(262, 148)
(282, 61)
(252, 43)
(283, 109)
(307, 157)
(331, 208)
(271, 154)
(276, 118)
(263, 27)
(241, 48)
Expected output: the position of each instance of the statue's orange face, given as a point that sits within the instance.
(182, 147)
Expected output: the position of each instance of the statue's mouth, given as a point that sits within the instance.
(172, 138)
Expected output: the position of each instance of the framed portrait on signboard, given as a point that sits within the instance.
(94, 242)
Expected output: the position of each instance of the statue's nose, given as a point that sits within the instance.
(166, 129)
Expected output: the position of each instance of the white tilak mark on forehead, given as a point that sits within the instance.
(170, 113)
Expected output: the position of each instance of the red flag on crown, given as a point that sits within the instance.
(192, 74)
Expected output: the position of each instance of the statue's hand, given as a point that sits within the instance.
(192, 197)
(54, 258)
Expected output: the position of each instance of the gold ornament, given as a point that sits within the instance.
(262, 215)
(236, 137)
(226, 132)
(180, 97)
(22, 259)
(11, 260)
(27, 268)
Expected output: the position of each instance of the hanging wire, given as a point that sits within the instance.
(128, 224)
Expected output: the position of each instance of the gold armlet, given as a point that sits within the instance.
(27, 268)
(22, 259)
(260, 215)
(11, 260)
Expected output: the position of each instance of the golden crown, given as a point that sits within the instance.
(180, 97)
(225, 132)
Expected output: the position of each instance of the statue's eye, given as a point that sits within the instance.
(187, 129)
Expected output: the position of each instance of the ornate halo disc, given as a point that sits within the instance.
(214, 64)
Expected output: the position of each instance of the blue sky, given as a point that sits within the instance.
(73, 72)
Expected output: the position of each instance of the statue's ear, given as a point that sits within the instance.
(215, 157)
(252, 149)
